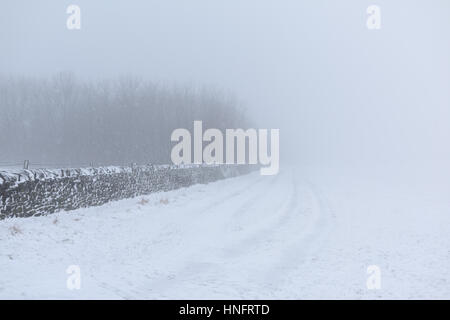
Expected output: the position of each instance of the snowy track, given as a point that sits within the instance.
(247, 237)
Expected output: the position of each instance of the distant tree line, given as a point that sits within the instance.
(63, 120)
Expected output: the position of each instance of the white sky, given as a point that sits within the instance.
(339, 92)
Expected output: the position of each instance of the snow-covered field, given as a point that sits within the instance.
(300, 234)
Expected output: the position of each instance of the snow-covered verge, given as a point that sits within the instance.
(25, 193)
(300, 234)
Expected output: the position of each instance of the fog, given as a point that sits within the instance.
(359, 208)
(340, 93)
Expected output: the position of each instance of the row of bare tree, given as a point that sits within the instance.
(63, 120)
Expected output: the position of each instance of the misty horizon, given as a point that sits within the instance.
(317, 73)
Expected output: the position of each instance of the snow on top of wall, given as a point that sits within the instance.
(17, 176)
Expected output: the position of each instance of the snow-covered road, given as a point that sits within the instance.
(293, 235)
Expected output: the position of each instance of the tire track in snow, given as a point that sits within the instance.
(297, 230)
(282, 239)
(293, 236)
(306, 248)
(194, 238)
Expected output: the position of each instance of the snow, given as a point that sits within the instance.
(300, 234)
